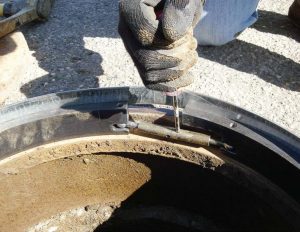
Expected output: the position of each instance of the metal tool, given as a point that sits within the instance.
(176, 113)
(19, 12)
(167, 134)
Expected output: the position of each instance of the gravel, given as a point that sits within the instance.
(79, 48)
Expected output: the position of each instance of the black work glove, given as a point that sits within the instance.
(158, 34)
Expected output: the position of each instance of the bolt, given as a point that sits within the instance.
(232, 125)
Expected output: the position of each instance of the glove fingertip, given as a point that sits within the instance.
(178, 18)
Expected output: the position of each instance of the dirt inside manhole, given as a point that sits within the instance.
(129, 191)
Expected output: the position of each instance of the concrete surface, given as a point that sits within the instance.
(79, 47)
(13, 52)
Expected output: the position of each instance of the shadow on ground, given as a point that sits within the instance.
(59, 47)
(173, 200)
(7, 45)
(269, 66)
(246, 57)
(271, 22)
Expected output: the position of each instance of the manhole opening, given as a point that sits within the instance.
(142, 192)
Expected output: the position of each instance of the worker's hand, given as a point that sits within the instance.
(159, 37)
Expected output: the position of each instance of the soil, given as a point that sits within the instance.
(67, 184)
(75, 186)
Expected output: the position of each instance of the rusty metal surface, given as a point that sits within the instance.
(10, 24)
(35, 9)
(168, 134)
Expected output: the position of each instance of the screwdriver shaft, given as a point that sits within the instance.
(176, 113)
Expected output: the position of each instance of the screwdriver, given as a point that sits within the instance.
(159, 15)
(175, 104)
(176, 113)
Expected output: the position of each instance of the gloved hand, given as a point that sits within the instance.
(158, 34)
